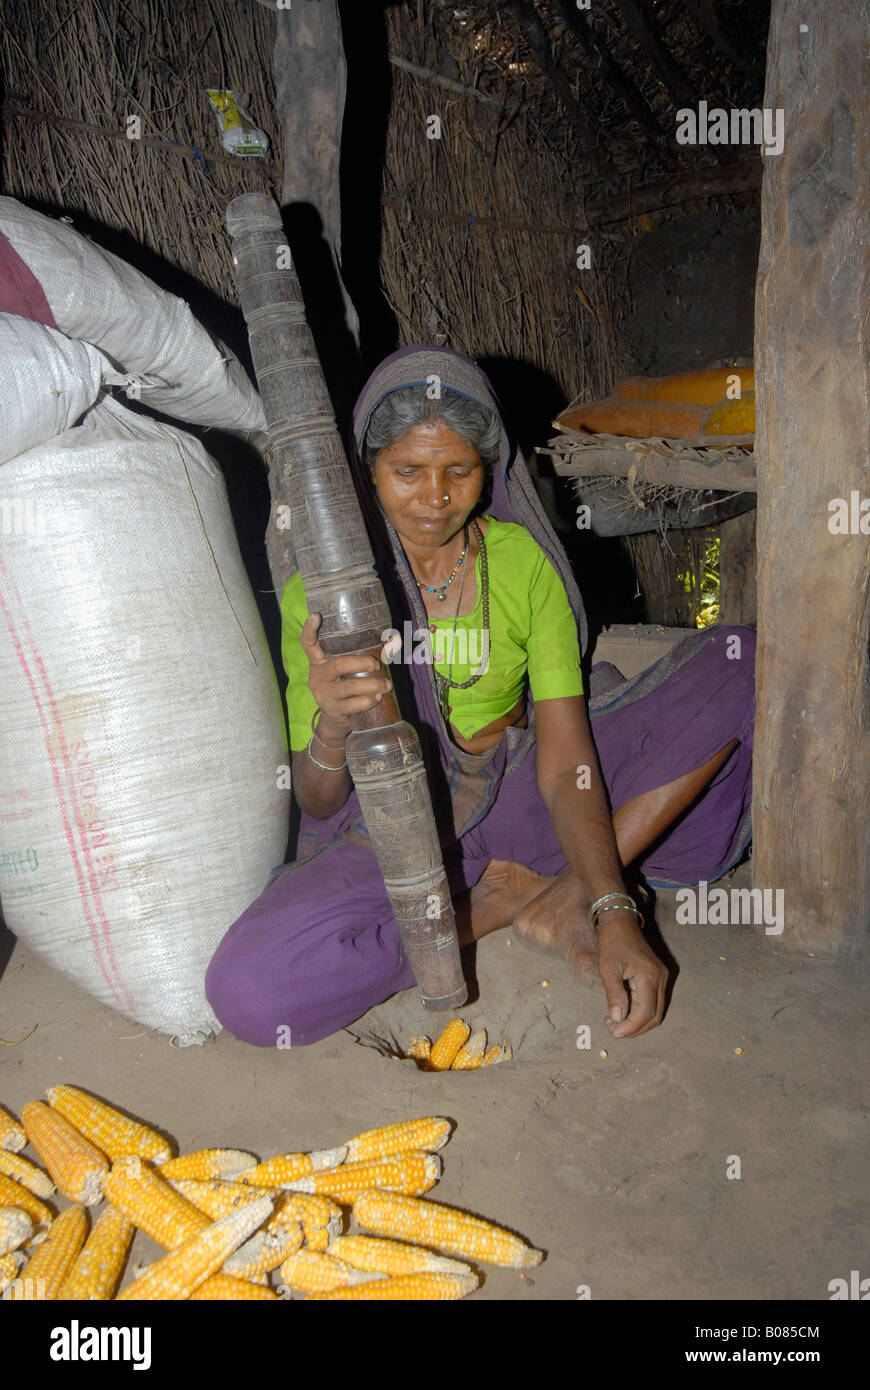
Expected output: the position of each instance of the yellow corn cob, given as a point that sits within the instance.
(45, 1273)
(445, 1048)
(116, 1135)
(285, 1168)
(216, 1197)
(183, 1270)
(409, 1136)
(221, 1286)
(391, 1257)
(9, 1266)
(76, 1165)
(444, 1228)
(321, 1219)
(96, 1273)
(419, 1049)
(12, 1136)
(152, 1204)
(496, 1054)
(31, 1177)
(16, 1226)
(469, 1057)
(12, 1194)
(407, 1286)
(209, 1163)
(264, 1251)
(311, 1272)
(413, 1173)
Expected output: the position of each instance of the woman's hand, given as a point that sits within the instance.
(624, 958)
(339, 698)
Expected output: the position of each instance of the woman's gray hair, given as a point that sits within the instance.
(401, 410)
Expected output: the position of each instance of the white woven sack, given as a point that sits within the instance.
(147, 333)
(142, 727)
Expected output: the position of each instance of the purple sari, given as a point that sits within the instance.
(320, 946)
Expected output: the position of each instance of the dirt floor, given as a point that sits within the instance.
(617, 1166)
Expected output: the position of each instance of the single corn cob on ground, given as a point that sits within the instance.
(44, 1274)
(76, 1165)
(209, 1163)
(469, 1057)
(419, 1049)
(183, 1270)
(497, 1053)
(116, 1135)
(444, 1228)
(9, 1267)
(216, 1197)
(309, 1271)
(391, 1256)
(16, 1226)
(320, 1218)
(96, 1271)
(445, 1047)
(31, 1177)
(12, 1136)
(220, 1287)
(152, 1204)
(416, 1287)
(263, 1252)
(412, 1173)
(284, 1168)
(409, 1136)
(12, 1194)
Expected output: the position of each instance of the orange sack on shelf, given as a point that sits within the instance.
(688, 388)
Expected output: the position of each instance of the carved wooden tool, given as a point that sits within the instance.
(311, 474)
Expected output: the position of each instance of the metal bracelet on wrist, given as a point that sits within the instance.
(336, 747)
(616, 907)
(324, 766)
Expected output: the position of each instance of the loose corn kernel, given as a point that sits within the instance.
(445, 1048)
(406, 1286)
(445, 1228)
(152, 1204)
(409, 1136)
(311, 1272)
(209, 1163)
(114, 1134)
(183, 1270)
(96, 1272)
(12, 1136)
(391, 1256)
(413, 1173)
(31, 1177)
(76, 1165)
(45, 1272)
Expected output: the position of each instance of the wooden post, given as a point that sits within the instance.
(811, 784)
(737, 569)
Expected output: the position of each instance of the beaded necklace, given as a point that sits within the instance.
(444, 684)
(440, 590)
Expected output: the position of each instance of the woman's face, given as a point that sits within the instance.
(414, 475)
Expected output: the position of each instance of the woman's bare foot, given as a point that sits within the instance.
(556, 919)
(503, 891)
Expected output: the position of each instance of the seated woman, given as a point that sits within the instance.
(539, 814)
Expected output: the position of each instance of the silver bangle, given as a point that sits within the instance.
(324, 766)
(607, 898)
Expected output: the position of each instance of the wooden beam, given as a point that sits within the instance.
(811, 781)
(651, 197)
(732, 473)
(737, 569)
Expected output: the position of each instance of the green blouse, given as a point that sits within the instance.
(533, 636)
